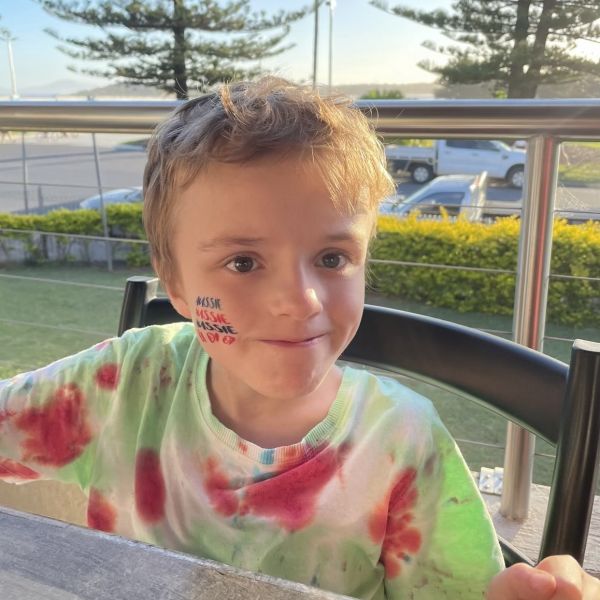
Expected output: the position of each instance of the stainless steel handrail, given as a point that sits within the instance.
(544, 122)
(566, 119)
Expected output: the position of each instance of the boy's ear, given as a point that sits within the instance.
(177, 299)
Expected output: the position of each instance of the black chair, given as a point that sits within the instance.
(557, 402)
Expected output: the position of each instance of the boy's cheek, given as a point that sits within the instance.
(213, 326)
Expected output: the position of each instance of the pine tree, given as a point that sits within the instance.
(515, 45)
(172, 44)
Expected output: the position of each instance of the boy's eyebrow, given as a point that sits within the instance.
(227, 241)
(344, 236)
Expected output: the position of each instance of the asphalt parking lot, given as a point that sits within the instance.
(61, 171)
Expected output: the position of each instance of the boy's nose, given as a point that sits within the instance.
(296, 296)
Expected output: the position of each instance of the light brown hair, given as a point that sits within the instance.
(249, 121)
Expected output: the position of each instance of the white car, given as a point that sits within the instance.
(458, 194)
(120, 196)
(447, 157)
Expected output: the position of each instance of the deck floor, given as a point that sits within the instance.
(526, 536)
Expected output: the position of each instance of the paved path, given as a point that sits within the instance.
(65, 172)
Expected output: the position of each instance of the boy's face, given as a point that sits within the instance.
(271, 273)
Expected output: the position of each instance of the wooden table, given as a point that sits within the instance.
(45, 559)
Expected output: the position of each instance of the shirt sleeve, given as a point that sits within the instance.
(440, 541)
(50, 417)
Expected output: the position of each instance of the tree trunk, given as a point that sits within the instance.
(179, 68)
(539, 47)
(520, 51)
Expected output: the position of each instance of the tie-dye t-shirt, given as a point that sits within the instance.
(375, 502)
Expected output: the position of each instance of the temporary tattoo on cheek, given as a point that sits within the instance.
(212, 325)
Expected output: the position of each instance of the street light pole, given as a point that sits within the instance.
(331, 7)
(8, 38)
(316, 45)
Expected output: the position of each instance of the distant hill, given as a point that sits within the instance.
(410, 90)
(123, 90)
(582, 88)
(119, 90)
(79, 88)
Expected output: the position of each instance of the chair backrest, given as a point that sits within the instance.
(557, 402)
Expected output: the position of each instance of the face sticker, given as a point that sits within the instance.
(212, 324)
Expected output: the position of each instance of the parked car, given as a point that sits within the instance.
(119, 196)
(447, 157)
(457, 194)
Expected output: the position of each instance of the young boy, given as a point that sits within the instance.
(237, 438)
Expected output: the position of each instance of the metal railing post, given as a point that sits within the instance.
(531, 295)
(102, 207)
(25, 173)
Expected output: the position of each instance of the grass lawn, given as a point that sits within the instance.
(580, 163)
(468, 421)
(41, 321)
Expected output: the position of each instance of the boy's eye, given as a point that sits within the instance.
(242, 264)
(333, 260)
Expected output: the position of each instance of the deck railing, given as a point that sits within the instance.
(544, 123)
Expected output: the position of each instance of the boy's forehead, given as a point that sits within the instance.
(223, 207)
(292, 177)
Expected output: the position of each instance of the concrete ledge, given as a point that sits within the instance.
(58, 561)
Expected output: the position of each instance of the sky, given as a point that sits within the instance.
(369, 46)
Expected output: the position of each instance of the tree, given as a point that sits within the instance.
(516, 45)
(172, 44)
(383, 94)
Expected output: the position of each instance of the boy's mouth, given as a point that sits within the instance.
(295, 342)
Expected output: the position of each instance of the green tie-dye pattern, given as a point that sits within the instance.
(315, 512)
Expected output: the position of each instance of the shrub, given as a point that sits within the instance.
(124, 220)
(572, 300)
(32, 245)
(576, 253)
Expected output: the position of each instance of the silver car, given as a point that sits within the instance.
(120, 196)
(457, 194)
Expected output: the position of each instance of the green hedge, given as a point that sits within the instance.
(575, 252)
(124, 221)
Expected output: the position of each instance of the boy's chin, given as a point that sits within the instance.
(296, 385)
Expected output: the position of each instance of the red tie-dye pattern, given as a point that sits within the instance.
(58, 432)
(216, 484)
(10, 469)
(102, 345)
(288, 497)
(291, 497)
(150, 492)
(164, 378)
(378, 522)
(107, 376)
(6, 415)
(391, 522)
(101, 514)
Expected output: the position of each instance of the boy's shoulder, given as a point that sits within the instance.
(158, 340)
(170, 333)
(385, 394)
(391, 416)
